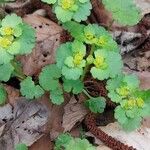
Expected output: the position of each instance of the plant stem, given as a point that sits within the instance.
(18, 70)
(87, 66)
(86, 93)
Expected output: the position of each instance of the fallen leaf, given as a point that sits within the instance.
(49, 36)
(139, 139)
(24, 123)
(74, 112)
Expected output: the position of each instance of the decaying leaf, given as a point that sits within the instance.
(49, 38)
(141, 142)
(24, 123)
(74, 112)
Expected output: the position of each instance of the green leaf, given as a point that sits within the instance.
(96, 105)
(3, 95)
(5, 72)
(67, 142)
(49, 76)
(76, 86)
(11, 20)
(72, 73)
(120, 115)
(56, 96)
(62, 53)
(125, 12)
(76, 30)
(62, 141)
(27, 39)
(83, 12)
(49, 1)
(5, 57)
(30, 90)
(21, 147)
(113, 66)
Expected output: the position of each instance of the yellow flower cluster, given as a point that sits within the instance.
(77, 59)
(99, 62)
(134, 102)
(7, 38)
(123, 91)
(5, 42)
(67, 4)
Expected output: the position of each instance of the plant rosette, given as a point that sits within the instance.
(121, 87)
(107, 64)
(92, 34)
(67, 10)
(131, 110)
(16, 37)
(70, 59)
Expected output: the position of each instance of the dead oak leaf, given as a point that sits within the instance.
(24, 123)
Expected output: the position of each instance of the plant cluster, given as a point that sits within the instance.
(67, 142)
(91, 51)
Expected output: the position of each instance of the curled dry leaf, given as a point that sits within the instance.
(24, 123)
(49, 36)
(74, 112)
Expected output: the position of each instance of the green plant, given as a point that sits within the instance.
(16, 38)
(66, 10)
(94, 51)
(21, 147)
(67, 142)
(133, 104)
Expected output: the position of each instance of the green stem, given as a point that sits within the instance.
(86, 93)
(18, 70)
(87, 66)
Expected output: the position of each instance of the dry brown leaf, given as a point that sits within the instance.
(139, 139)
(74, 112)
(24, 123)
(48, 36)
(13, 94)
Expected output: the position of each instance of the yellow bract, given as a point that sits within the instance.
(5, 42)
(101, 40)
(99, 62)
(89, 36)
(67, 4)
(140, 102)
(134, 102)
(78, 57)
(8, 31)
(123, 91)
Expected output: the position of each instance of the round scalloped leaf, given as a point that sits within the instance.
(113, 62)
(56, 96)
(11, 20)
(83, 12)
(5, 72)
(3, 95)
(125, 12)
(27, 39)
(30, 90)
(21, 147)
(132, 81)
(5, 57)
(76, 30)
(96, 105)
(48, 78)
(72, 73)
(76, 86)
(49, 1)
(62, 53)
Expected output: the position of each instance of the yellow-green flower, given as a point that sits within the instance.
(67, 4)
(123, 91)
(5, 42)
(101, 41)
(8, 31)
(99, 62)
(77, 59)
(140, 102)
